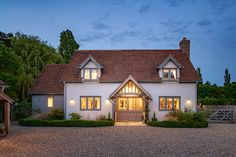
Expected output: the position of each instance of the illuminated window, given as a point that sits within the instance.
(170, 74)
(90, 103)
(169, 103)
(83, 103)
(50, 101)
(90, 74)
(130, 88)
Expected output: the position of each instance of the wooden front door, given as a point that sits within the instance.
(129, 109)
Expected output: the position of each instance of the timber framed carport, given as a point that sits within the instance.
(6, 101)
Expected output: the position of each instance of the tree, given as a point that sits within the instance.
(198, 70)
(67, 45)
(227, 77)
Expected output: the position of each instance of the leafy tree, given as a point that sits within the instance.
(227, 77)
(198, 70)
(67, 45)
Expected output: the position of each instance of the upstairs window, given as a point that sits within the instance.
(90, 74)
(170, 74)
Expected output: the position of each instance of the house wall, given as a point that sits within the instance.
(41, 102)
(75, 90)
(184, 90)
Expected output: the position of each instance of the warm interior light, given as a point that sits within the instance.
(50, 101)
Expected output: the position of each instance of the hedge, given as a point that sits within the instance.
(176, 124)
(64, 123)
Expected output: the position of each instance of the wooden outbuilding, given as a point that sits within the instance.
(6, 101)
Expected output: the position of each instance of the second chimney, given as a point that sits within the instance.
(184, 45)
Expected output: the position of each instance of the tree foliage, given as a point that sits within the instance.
(67, 45)
(22, 62)
(198, 70)
(227, 77)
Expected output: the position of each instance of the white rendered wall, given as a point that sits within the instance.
(184, 90)
(75, 90)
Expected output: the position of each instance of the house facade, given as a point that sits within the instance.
(128, 85)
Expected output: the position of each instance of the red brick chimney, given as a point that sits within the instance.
(184, 45)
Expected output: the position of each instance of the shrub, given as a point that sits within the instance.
(75, 116)
(64, 123)
(177, 124)
(109, 117)
(56, 114)
(101, 117)
(154, 117)
(41, 116)
(22, 110)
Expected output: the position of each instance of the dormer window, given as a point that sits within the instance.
(90, 69)
(90, 74)
(170, 74)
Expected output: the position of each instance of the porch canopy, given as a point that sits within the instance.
(131, 101)
(6, 101)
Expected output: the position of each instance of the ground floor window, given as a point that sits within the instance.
(50, 101)
(90, 103)
(169, 103)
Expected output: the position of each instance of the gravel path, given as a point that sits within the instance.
(217, 140)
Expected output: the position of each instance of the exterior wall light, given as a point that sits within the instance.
(107, 102)
(72, 102)
(188, 102)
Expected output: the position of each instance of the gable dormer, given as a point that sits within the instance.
(169, 69)
(90, 69)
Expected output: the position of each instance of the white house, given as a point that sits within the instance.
(130, 85)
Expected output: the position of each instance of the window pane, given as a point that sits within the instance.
(83, 103)
(87, 74)
(50, 101)
(162, 103)
(123, 104)
(169, 103)
(94, 74)
(90, 103)
(97, 103)
(139, 104)
(173, 73)
(176, 104)
(166, 73)
(131, 104)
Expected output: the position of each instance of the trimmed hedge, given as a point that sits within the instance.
(64, 123)
(176, 124)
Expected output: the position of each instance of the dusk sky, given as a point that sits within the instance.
(133, 24)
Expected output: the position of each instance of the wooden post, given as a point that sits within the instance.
(7, 117)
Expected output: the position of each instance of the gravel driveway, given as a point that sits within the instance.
(217, 140)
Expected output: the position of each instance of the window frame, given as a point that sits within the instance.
(90, 74)
(93, 109)
(169, 74)
(172, 97)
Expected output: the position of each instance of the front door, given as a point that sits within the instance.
(129, 109)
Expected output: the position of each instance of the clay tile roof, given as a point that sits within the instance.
(49, 80)
(119, 64)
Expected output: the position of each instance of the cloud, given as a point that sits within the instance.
(145, 8)
(97, 25)
(174, 26)
(220, 6)
(94, 36)
(204, 22)
(174, 3)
